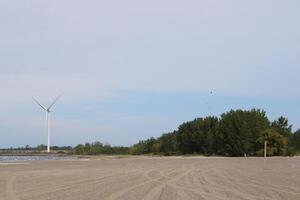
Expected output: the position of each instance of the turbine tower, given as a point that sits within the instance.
(48, 111)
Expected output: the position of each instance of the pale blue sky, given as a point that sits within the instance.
(134, 69)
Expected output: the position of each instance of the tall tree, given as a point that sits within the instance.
(240, 129)
(281, 125)
(296, 140)
(198, 136)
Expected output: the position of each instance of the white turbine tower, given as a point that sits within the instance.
(48, 111)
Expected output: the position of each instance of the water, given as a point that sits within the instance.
(33, 158)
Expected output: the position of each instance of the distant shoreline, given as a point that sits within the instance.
(35, 154)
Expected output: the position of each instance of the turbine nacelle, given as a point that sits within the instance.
(49, 108)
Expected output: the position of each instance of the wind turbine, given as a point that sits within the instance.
(48, 111)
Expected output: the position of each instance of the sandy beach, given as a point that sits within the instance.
(139, 178)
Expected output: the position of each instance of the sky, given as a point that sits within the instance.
(132, 69)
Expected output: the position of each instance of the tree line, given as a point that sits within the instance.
(97, 148)
(234, 133)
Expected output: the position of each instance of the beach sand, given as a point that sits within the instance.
(145, 178)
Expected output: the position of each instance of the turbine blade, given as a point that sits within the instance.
(38, 103)
(54, 102)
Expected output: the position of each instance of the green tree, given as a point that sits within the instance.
(79, 149)
(281, 126)
(239, 130)
(168, 143)
(198, 136)
(276, 143)
(296, 141)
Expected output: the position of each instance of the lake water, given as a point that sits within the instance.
(33, 158)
